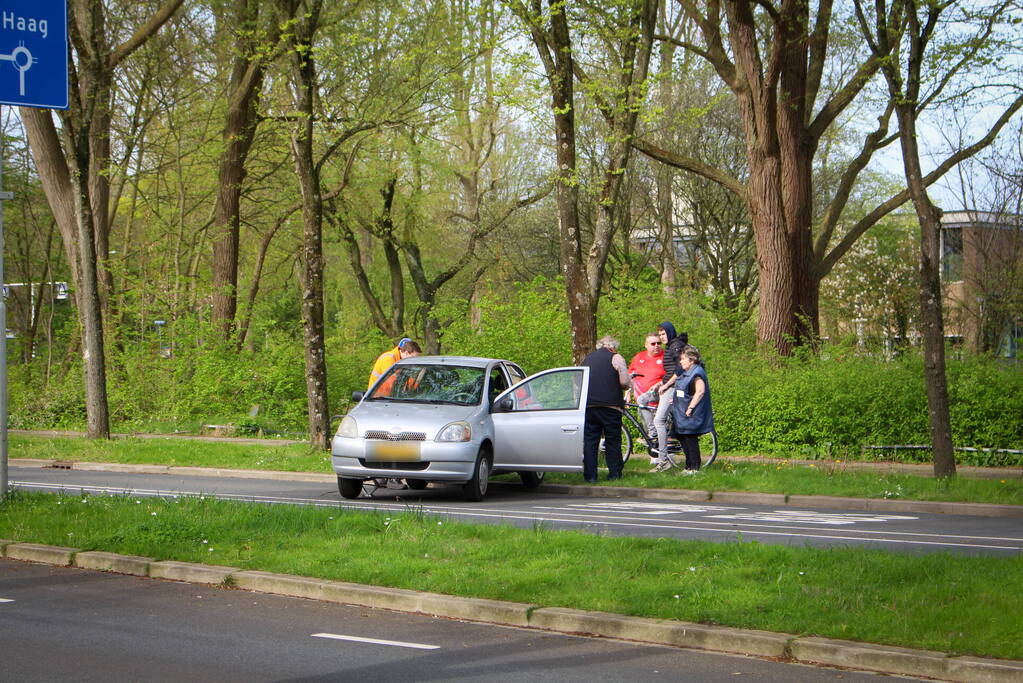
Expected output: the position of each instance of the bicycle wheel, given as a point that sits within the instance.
(708, 449)
(626, 445)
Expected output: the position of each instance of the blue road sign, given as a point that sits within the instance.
(33, 53)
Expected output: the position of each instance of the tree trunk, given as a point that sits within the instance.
(304, 84)
(65, 182)
(392, 324)
(581, 308)
(257, 274)
(75, 178)
(90, 307)
(239, 131)
(930, 297)
(904, 90)
(779, 192)
(664, 177)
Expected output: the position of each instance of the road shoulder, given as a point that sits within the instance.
(781, 646)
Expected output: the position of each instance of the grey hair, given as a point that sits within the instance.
(692, 353)
(608, 342)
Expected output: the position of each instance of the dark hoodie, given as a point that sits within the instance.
(673, 349)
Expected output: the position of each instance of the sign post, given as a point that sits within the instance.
(33, 73)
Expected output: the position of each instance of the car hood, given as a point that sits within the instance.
(399, 416)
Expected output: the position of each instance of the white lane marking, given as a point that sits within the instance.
(811, 517)
(714, 525)
(651, 508)
(376, 641)
(808, 516)
(748, 529)
(6, 600)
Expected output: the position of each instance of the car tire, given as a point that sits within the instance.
(349, 488)
(476, 488)
(531, 480)
(417, 484)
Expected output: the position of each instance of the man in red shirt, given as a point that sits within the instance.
(646, 370)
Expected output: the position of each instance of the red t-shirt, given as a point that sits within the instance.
(650, 370)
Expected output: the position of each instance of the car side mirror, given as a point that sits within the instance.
(357, 396)
(505, 405)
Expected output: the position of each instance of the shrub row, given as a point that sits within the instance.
(831, 405)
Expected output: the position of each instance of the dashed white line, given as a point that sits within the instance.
(6, 600)
(376, 641)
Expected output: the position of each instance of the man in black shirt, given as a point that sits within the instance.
(609, 376)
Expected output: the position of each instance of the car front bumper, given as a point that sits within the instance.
(433, 462)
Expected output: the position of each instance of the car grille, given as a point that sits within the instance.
(406, 466)
(400, 436)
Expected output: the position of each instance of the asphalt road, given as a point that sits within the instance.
(509, 504)
(59, 623)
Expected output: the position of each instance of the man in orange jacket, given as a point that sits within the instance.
(405, 349)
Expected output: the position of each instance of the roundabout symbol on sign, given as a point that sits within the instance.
(23, 61)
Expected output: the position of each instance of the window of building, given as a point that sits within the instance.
(951, 254)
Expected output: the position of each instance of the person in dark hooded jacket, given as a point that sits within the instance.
(673, 343)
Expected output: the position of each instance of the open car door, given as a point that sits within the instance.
(538, 423)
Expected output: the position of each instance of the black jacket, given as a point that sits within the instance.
(672, 351)
(605, 384)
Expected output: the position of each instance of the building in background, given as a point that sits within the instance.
(982, 277)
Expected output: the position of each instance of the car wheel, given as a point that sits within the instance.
(417, 484)
(531, 480)
(476, 488)
(349, 488)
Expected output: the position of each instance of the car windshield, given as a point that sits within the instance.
(424, 383)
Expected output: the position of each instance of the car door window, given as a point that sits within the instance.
(497, 383)
(553, 391)
(516, 373)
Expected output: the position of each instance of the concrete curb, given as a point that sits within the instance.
(806, 650)
(684, 495)
(112, 562)
(191, 572)
(45, 554)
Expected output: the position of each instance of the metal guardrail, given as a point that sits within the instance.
(965, 449)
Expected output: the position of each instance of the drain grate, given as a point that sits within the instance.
(59, 465)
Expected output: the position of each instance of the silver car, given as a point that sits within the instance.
(459, 419)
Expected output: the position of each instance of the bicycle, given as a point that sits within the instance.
(708, 441)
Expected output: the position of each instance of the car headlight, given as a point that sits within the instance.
(456, 431)
(348, 428)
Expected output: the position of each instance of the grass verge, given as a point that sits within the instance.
(173, 451)
(785, 478)
(960, 605)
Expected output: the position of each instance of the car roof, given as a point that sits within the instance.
(469, 361)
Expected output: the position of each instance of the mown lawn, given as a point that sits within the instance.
(956, 604)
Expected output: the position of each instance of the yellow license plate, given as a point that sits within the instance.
(392, 451)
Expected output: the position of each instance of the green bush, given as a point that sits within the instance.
(531, 328)
(831, 405)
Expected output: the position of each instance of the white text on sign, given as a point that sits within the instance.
(9, 21)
